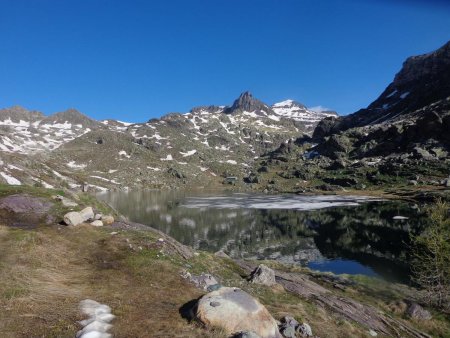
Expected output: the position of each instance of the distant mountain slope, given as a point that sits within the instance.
(197, 148)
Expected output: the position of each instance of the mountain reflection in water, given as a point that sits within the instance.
(341, 234)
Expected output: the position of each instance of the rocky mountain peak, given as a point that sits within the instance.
(73, 117)
(246, 102)
(19, 113)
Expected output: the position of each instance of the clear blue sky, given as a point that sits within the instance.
(133, 60)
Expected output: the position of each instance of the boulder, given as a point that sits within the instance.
(236, 311)
(73, 218)
(263, 275)
(87, 213)
(97, 223)
(107, 219)
(416, 311)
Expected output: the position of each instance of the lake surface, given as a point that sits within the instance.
(341, 234)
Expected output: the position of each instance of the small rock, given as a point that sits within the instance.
(263, 275)
(65, 201)
(98, 217)
(290, 321)
(288, 332)
(107, 219)
(73, 218)
(400, 217)
(416, 311)
(203, 281)
(113, 233)
(213, 287)
(97, 223)
(373, 333)
(305, 330)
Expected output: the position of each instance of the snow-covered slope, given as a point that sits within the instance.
(30, 132)
(298, 112)
(206, 143)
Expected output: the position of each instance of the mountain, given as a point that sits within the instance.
(422, 81)
(196, 148)
(401, 138)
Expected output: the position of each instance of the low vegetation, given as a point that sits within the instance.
(432, 257)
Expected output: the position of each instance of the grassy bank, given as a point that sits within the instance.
(47, 270)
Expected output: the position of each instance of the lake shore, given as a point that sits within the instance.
(48, 268)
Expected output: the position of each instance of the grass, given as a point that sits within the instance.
(46, 271)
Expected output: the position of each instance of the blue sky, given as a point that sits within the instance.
(133, 60)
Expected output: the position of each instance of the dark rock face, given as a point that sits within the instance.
(246, 102)
(423, 80)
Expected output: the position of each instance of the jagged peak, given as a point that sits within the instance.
(246, 102)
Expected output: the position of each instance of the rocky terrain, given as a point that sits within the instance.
(199, 148)
(401, 139)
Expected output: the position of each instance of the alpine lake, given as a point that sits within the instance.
(328, 233)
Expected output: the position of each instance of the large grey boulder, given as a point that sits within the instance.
(263, 275)
(236, 311)
(73, 218)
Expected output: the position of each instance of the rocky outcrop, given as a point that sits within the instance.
(25, 211)
(263, 275)
(235, 311)
(365, 315)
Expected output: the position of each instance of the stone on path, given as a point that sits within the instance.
(234, 310)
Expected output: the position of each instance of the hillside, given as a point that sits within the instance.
(199, 148)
